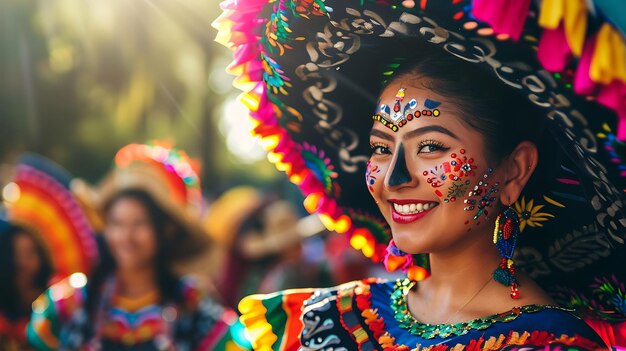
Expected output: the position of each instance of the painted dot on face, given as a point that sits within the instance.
(371, 173)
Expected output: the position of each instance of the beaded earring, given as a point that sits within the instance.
(505, 234)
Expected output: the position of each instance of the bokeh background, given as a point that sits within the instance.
(80, 79)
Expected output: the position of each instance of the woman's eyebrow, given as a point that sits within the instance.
(414, 133)
(426, 129)
(381, 134)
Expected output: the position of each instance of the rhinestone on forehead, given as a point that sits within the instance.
(397, 116)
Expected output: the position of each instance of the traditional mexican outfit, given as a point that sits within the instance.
(62, 320)
(310, 72)
(66, 317)
(39, 200)
(373, 315)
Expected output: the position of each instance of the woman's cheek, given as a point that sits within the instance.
(451, 178)
(455, 179)
(372, 176)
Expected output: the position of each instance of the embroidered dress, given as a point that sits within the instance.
(60, 320)
(372, 315)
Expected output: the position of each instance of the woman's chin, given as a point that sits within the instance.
(409, 242)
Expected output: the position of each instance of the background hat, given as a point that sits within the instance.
(226, 214)
(39, 199)
(311, 71)
(169, 177)
(282, 230)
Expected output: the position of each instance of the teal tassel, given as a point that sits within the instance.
(503, 276)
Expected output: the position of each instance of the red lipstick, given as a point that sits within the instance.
(409, 218)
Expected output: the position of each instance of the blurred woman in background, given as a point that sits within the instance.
(24, 271)
(44, 237)
(136, 299)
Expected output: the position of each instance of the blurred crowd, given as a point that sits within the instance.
(141, 260)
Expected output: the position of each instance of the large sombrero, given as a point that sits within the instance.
(170, 178)
(310, 71)
(39, 199)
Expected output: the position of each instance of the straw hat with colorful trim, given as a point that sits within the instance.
(283, 228)
(39, 199)
(169, 177)
(311, 69)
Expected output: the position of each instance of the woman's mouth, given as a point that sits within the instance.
(407, 211)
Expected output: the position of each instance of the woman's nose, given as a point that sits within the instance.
(400, 174)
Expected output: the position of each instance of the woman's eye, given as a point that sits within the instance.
(431, 147)
(380, 150)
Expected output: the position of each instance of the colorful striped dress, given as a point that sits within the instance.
(60, 320)
(373, 315)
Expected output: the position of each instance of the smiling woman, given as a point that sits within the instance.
(488, 171)
(440, 183)
(428, 163)
(135, 300)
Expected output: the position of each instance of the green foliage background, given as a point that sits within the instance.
(80, 79)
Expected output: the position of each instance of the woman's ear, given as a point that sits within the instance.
(516, 171)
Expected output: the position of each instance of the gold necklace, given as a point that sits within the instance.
(468, 301)
(462, 307)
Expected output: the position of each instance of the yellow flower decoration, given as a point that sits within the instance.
(529, 214)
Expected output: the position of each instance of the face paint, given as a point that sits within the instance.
(400, 173)
(398, 116)
(457, 170)
(463, 166)
(482, 197)
(431, 105)
(370, 175)
(438, 175)
(457, 189)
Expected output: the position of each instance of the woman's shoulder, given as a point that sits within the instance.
(314, 318)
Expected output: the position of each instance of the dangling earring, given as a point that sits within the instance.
(505, 236)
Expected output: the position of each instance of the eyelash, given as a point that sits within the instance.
(375, 146)
(438, 146)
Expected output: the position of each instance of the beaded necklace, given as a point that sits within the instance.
(400, 308)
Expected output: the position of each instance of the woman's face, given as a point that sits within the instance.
(130, 234)
(28, 261)
(430, 178)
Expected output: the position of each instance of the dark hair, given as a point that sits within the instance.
(168, 283)
(504, 117)
(10, 302)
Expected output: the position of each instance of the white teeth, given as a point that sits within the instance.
(413, 208)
